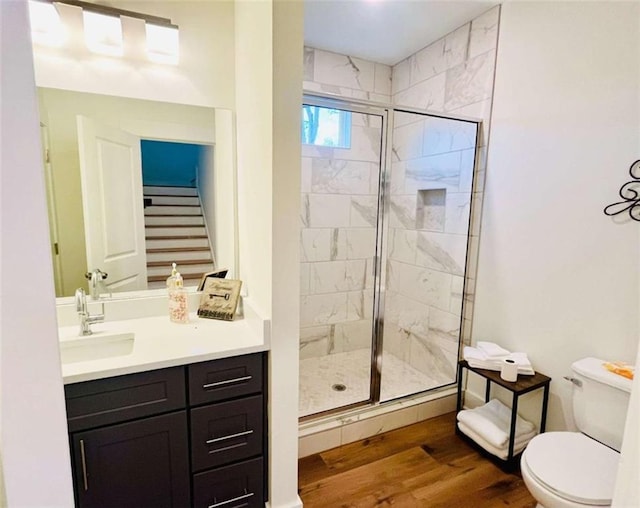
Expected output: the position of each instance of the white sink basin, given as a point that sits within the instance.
(98, 346)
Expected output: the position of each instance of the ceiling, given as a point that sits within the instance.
(384, 31)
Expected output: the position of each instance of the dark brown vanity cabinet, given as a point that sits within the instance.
(184, 436)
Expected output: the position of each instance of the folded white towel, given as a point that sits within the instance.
(472, 353)
(492, 350)
(521, 359)
(503, 452)
(492, 421)
(518, 444)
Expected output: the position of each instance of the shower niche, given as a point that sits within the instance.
(430, 210)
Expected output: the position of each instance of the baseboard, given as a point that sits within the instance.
(321, 435)
(296, 504)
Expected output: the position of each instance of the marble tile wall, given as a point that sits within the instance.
(453, 75)
(346, 76)
(338, 241)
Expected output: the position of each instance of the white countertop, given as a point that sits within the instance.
(159, 343)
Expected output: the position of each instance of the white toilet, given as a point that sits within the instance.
(578, 469)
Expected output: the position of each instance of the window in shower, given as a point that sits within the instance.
(338, 239)
(324, 126)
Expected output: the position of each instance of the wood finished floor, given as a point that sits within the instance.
(422, 465)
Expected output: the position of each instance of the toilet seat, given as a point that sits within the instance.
(573, 466)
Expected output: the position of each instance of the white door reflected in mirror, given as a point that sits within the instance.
(111, 175)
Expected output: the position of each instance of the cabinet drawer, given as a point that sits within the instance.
(112, 400)
(225, 379)
(226, 432)
(236, 486)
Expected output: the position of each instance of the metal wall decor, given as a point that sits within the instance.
(630, 194)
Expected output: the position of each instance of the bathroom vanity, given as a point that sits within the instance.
(179, 420)
(142, 439)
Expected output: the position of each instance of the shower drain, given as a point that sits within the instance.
(339, 387)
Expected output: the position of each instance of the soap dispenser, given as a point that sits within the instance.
(178, 308)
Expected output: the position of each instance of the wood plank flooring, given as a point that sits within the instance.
(422, 465)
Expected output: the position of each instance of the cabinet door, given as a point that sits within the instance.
(133, 465)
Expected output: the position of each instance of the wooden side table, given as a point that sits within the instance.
(524, 384)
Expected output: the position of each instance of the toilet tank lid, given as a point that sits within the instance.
(593, 368)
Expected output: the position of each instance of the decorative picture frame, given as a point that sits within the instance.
(219, 298)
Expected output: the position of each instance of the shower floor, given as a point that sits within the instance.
(352, 369)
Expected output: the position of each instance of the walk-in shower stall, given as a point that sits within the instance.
(386, 200)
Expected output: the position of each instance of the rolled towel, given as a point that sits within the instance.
(518, 445)
(492, 350)
(492, 421)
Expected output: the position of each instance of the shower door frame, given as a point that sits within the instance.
(382, 111)
(386, 111)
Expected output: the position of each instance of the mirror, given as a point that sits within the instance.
(176, 140)
(190, 101)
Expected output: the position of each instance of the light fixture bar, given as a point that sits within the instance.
(113, 11)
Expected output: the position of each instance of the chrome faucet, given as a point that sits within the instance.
(83, 312)
(97, 286)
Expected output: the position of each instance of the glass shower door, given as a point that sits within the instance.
(341, 161)
(429, 203)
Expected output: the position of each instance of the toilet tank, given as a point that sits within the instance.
(600, 401)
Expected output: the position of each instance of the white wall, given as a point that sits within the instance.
(33, 430)
(285, 263)
(269, 94)
(206, 36)
(556, 277)
(253, 119)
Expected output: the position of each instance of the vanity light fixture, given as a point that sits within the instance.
(163, 44)
(46, 26)
(103, 30)
(103, 33)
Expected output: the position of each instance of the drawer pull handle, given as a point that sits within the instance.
(239, 498)
(230, 436)
(84, 466)
(226, 382)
